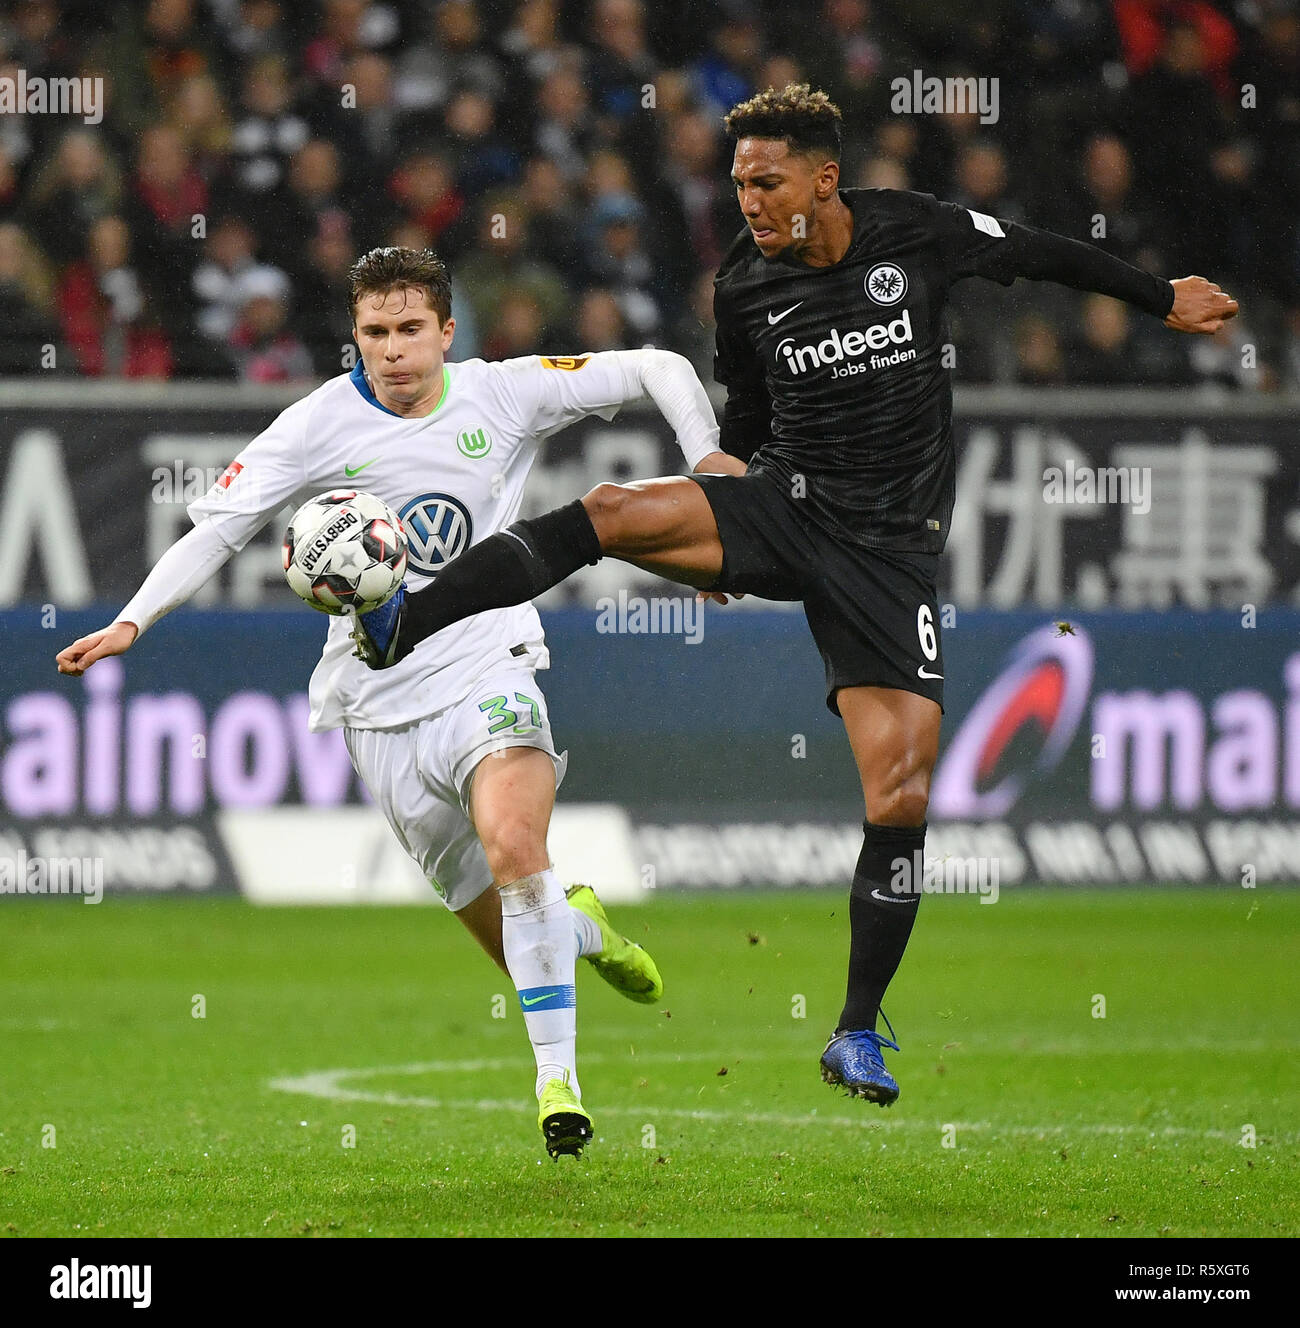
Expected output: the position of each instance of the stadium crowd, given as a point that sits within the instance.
(567, 159)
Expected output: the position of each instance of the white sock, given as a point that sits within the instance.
(587, 933)
(537, 935)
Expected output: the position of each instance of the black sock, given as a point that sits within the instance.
(511, 567)
(882, 907)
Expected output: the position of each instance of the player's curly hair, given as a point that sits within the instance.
(393, 268)
(808, 121)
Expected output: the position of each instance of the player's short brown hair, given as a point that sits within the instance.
(393, 268)
(808, 121)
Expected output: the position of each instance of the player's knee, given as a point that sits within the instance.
(900, 805)
(896, 779)
(607, 506)
(514, 851)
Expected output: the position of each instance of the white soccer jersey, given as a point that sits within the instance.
(454, 476)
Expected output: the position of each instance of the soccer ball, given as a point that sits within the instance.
(345, 552)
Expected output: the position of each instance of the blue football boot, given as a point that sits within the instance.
(378, 634)
(852, 1060)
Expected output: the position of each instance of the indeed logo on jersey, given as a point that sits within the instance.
(837, 347)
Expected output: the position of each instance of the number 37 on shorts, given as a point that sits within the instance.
(513, 712)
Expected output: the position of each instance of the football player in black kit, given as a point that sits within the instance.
(830, 341)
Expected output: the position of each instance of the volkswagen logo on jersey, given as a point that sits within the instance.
(886, 283)
(1019, 729)
(438, 528)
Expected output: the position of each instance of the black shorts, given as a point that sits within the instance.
(874, 613)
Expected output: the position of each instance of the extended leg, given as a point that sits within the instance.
(664, 526)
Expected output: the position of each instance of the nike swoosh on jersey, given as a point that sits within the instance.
(353, 471)
(524, 1000)
(889, 899)
(774, 319)
(921, 673)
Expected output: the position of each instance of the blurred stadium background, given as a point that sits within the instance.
(1123, 696)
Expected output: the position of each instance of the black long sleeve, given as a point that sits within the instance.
(1045, 256)
(746, 421)
(975, 245)
(747, 416)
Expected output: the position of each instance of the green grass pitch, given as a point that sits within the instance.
(1022, 1113)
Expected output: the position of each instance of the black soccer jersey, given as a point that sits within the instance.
(836, 379)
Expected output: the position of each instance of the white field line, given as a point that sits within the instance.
(328, 1084)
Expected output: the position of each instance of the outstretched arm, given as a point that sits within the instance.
(254, 487)
(975, 245)
(186, 566)
(1190, 304)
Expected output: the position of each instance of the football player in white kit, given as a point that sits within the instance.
(454, 742)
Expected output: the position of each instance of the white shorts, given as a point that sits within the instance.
(419, 775)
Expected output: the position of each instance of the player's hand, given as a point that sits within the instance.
(1199, 306)
(721, 463)
(82, 653)
(717, 596)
